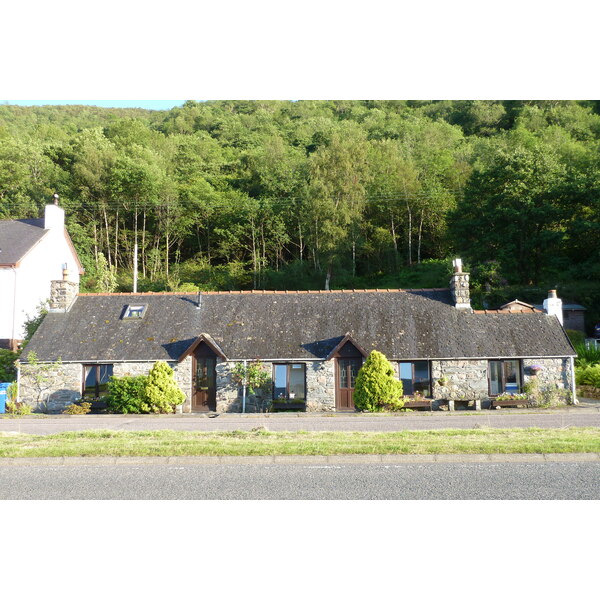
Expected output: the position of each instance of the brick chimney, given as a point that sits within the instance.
(62, 293)
(553, 305)
(459, 286)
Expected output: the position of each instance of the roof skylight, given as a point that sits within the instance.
(135, 311)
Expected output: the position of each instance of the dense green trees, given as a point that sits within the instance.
(230, 194)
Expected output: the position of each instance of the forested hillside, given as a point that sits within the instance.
(310, 194)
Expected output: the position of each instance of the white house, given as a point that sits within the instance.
(33, 252)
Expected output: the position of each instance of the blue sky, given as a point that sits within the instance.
(150, 104)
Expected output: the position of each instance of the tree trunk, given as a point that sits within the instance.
(107, 237)
(95, 244)
(419, 238)
(254, 267)
(144, 246)
(116, 238)
(409, 234)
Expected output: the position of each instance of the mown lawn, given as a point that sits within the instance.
(267, 443)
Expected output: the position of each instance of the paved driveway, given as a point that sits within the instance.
(585, 415)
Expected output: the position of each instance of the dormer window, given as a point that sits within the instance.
(135, 311)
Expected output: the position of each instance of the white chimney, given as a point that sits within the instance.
(54, 217)
(553, 305)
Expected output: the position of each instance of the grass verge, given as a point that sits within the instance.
(267, 443)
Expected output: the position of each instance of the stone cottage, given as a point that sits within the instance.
(311, 342)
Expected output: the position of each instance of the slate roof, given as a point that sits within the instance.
(18, 237)
(403, 324)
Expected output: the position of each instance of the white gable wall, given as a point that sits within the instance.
(24, 287)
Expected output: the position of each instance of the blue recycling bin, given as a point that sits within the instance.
(3, 388)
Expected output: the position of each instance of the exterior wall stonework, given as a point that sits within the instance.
(460, 380)
(229, 398)
(50, 387)
(320, 386)
(468, 379)
(556, 372)
(320, 389)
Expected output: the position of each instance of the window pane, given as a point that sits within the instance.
(297, 381)
(280, 381)
(406, 375)
(512, 376)
(355, 366)
(421, 381)
(90, 381)
(105, 371)
(343, 369)
(495, 377)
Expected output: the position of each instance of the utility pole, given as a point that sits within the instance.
(135, 267)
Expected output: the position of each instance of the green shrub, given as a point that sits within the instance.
(18, 408)
(82, 408)
(8, 371)
(588, 375)
(161, 390)
(127, 395)
(156, 392)
(587, 356)
(376, 385)
(12, 391)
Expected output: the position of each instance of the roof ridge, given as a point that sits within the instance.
(229, 292)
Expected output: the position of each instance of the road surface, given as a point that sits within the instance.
(306, 480)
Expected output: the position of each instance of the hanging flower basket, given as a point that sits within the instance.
(535, 369)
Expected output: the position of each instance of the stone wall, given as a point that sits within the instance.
(320, 386)
(320, 389)
(229, 396)
(459, 380)
(468, 379)
(50, 387)
(555, 373)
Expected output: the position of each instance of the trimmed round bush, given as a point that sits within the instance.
(376, 386)
(162, 392)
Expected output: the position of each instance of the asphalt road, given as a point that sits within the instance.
(448, 481)
(572, 417)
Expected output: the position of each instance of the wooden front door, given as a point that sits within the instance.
(204, 397)
(347, 369)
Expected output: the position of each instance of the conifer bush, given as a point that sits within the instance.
(162, 392)
(376, 385)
